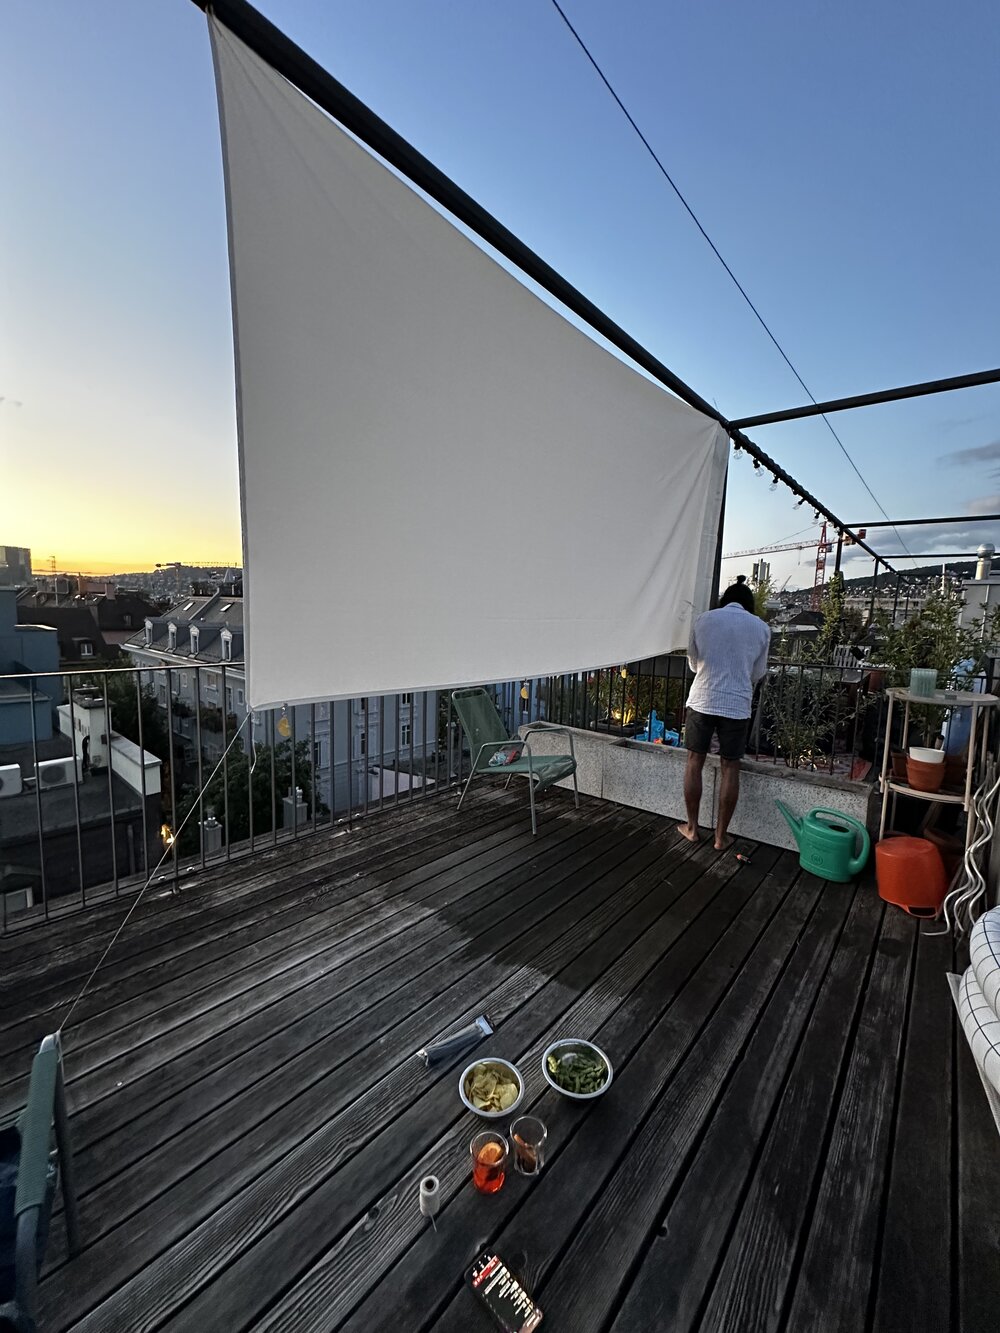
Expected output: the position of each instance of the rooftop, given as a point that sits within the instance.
(793, 1138)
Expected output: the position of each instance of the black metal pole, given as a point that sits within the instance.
(271, 44)
(717, 567)
(964, 519)
(872, 399)
(871, 604)
(840, 552)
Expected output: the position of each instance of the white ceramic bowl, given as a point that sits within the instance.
(569, 1047)
(492, 1115)
(926, 756)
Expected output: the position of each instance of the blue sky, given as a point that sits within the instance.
(843, 158)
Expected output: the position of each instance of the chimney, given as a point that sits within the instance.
(984, 561)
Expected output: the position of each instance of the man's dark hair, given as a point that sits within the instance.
(738, 592)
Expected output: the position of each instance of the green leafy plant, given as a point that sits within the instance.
(935, 637)
(246, 792)
(799, 710)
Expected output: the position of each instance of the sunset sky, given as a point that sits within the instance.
(841, 157)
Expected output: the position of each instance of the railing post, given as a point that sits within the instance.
(111, 785)
(142, 772)
(197, 741)
(273, 737)
(38, 797)
(225, 767)
(76, 799)
(173, 782)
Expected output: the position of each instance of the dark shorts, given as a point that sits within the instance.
(732, 731)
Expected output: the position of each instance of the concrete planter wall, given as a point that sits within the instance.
(651, 777)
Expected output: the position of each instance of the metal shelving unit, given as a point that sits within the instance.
(891, 788)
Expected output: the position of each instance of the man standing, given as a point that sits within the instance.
(728, 654)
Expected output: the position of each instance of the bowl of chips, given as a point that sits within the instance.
(577, 1069)
(491, 1088)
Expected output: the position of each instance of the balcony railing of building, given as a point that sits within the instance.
(105, 774)
(819, 716)
(110, 776)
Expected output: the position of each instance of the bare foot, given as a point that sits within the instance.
(686, 831)
(722, 843)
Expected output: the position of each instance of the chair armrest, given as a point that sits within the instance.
(36, 1132)
(556, 731)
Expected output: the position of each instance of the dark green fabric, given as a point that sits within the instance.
(36, 1133)
(547, 768)
(481, 723)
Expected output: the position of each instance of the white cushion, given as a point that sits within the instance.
(984, 954)
(982, 1027)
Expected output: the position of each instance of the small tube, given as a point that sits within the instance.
(430, 1196)
(456, 1042)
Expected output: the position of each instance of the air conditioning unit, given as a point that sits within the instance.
(10, 780)
(57, 772)
(19, 900)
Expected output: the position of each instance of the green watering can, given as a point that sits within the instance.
(826, 841)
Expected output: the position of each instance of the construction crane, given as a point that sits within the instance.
(767, 550)
(823, 548)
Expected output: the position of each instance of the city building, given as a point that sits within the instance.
(15, 566)
(191, 658)
(26, 648)
(982, 593)
(92, 617)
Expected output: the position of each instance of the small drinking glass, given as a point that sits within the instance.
(490, 1153)
(528, 1136)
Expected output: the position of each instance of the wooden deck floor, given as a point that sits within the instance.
(794, 1139)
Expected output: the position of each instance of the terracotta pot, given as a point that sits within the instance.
(898, 765)
(924, 777)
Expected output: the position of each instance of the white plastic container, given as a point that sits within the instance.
(923, 755)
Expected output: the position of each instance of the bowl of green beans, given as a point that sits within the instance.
(577, 1069)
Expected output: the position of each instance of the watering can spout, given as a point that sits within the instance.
(794, 824)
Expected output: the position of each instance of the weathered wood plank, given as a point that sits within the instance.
(155, 933)
(278, 1036)
(750, 1288)
(47, 939)
(125, 986)
(239, 1288)
(323, 942)
(834, 1281)
(676, 1274)
(588, 1143)
(380, 1239)
(606, 1240)
(358, 1100)
(914, 1276)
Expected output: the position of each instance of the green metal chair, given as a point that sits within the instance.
(487, 735)
(41, 1166)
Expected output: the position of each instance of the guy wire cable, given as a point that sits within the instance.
(167, 850)
(715, 250)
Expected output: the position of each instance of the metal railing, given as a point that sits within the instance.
(85, 816)
(206, 783)
(818, 716)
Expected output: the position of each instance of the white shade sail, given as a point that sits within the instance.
(443, 481)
